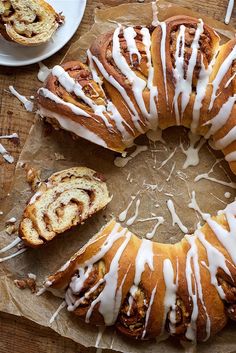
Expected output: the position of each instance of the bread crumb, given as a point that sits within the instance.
(59, 156)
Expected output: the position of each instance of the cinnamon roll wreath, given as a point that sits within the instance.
(146, 289)
(137, 79)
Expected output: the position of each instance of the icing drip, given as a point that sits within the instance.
(167, 159)
(175, 217)
(227, 195)
(27, 104)
(13, 255)
(73, 86)
(194, 205)
(123, 214)
(153, 116)
(132, 219)
(226, 237)
(206, 176)
(6, 155)
(121, 162)
(155, 20)
(170, 294)
(193, 278)
(59, 309)
(11, 245)
(149, 311)
(221, 74)
(120, 89)
(12, 136)
(109, 300)
(150, 235)
(221, 118)
(101, 330)
(231, 157)
(53, 97)
(75, 127)
(163, 56)
(192, 153)
(184, 85)
(201, 88)
(229, 11)
(44, 72)
(100, 110)
(216, 260)
(138, 84)
(171, 171)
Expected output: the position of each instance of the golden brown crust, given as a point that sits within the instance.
(174, 68)
(141, 310)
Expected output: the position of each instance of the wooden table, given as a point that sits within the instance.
(18, 334)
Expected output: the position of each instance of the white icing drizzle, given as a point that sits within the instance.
(167, 159)
(216, 260)
(6, 155)
(121, 162)
(153, 116)
(194, 205)
(150, 235)
(11, 245)
(59, 309)
(171, 171)
(184, 85)
(138, 84)
(12, 136)
(53, 97)
(101, 330)
(206, 176)
(221, 118)
(44, 72)
(123, 214)
(13, 255)
(144, 256)
(227, 139)
(229, 11)
(71, 85)
(193, 278)
(132, 219)
(109, 300)
(100, 110)
(201, 88)
(221, 74)
(192, 152)
(155, 20)
(149, 311)
(170, 294)
(163, 56)
(226, 237)
(75, 127)
(227, 195)
(29, 106)
(129, 35)
(121, 90)
(231, 157)
(175, 217)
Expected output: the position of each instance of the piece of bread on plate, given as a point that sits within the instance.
(28, 22)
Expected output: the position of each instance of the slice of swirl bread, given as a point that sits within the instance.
(66, 199)
(28, 22)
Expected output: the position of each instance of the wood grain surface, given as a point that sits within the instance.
(18, 335)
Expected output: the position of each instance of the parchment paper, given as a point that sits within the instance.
(143, 175)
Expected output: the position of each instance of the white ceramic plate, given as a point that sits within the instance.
(12, 54)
